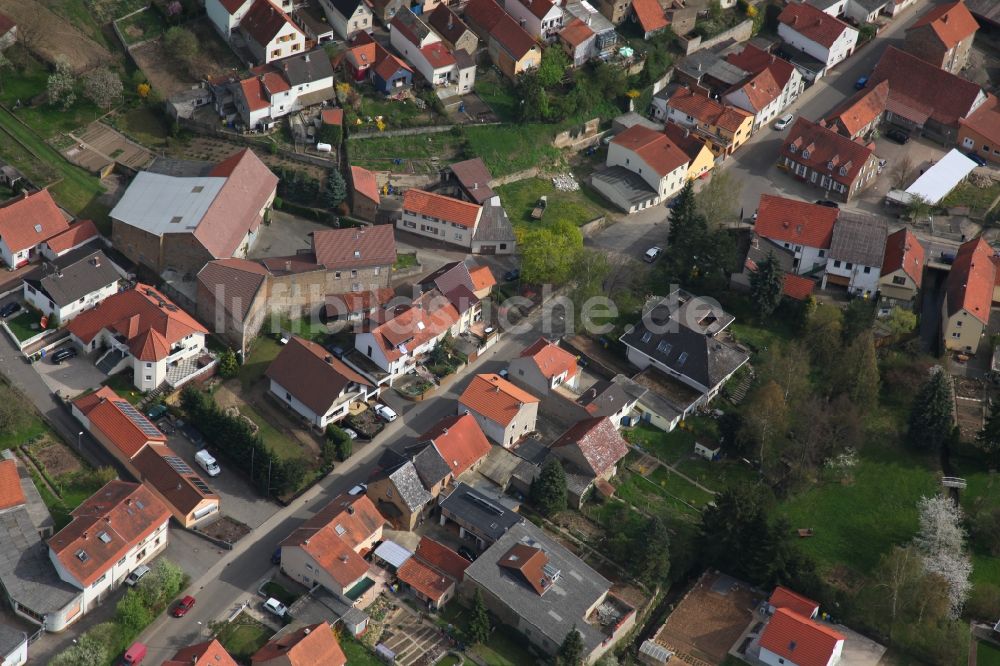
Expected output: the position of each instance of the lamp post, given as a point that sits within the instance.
(79, 441)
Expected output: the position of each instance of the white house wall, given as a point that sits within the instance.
(841, 48)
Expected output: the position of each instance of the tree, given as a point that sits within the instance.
(859, 316)
(788, 365)
(941, 542)
(589, 275)
(918, 207)
(823, 335)
(857, 376)
(336, 189)
(549, 254)
(132, 612)
(229, 366)
(902, 172)
(92, 649)
(61, 85)
(900, 321)
(905, 593)
(548, 490)
(5, 63)
(182, 43)
(331, 134)
(161, 584)
(340, 442)
(534, 98)
(552, 68)
(766, 415)
(653, 555)
(765, 286)
(682, 213)
(718, 200)
(988, 439)
(15, 410)
(479, 621)
(571, 650)
(932, 413)
(103, 87)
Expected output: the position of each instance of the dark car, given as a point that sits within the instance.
(63, 354)
(156, 411)
(276, 556)
(183, 606)
(9, 309)
(861, 83)
(510, 276)
(899, 136)
(194, 436)
(828, 203)
(467, 553)
(976, 158)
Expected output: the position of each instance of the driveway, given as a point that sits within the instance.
(71, 377)
(285, 235)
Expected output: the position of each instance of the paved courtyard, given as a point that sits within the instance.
(414, 641)
(71, 377)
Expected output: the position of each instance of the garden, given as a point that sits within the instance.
(244, 636)
(519, 199)
(505, 647)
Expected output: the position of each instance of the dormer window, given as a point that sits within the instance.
(829, 165)
(805, 154)
(792, 148)
(843, 171)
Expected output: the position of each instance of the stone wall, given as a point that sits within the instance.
(738, 33)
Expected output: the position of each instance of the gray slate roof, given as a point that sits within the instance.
(859, 239)
(26, 572)
(488, 517)
(493, 224)
(80, 278)
(564, 604)
(630, 186)
(605, 398)
(430, 466)
(409, 486)
(10, 639)
(310, 66)
(710, 63)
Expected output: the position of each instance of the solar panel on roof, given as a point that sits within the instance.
(138, 419)
(178, 465)
(201, 486)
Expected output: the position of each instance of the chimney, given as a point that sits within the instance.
(288, 266)
(85, 534)
(350, 510)
(343, 558)
(329, 359)
(944, 19)
(306, 631)
(451, 20)
(96, 261)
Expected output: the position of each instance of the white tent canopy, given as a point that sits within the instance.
(392, 553)
(938, 181)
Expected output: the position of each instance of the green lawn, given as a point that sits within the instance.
(717, 475)
(967, 194)
(142, 27)
(25, 325)
(494, 89)
(272, 589)
(509, 148)
(265, 350)
(506, 647)
(679, 487)
(122, 385)
(405, 260)
(448, 660)
(520, 198)
(855, 524)
(244, 636)
(81, 16)
(669, 447)
(281, 444)
(145, 125)
(357, 654)
(34, 427)
(395, 114)
(443, 145)
(652, 498)
(987, 654)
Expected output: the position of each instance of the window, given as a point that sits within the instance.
(354, 274)
(149, 378)
(958, 323)
(336, 274)
(868, 270)
(956, 334)
(121, 561)
(288, 396)
(409, 225)
(647, 336)
(822, 253)
(899, 280)
(99, 580)
(986, 149)
(149, 365)
(849, 265)
(836, 264)
(805, 154)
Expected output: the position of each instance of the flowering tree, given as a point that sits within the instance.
(941, 542)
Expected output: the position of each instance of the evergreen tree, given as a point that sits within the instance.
(682, 213)
(765, 286)
(858, 318)
(229, 367)
(932, 413)
(336, 189)
(571, 650)
(548, 490)
(479, 622)
(988, 439)
(654, 551)
(857, 374)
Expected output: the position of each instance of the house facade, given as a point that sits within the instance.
(979, 132)
(270, 34)
(857, 250)
(348, 17)
(827, 160)
(226, 15)
(504, 412)
(542, 19)
(543, 366)
(121, 429)
(439, 217)
(177, 485)
(453, 30)
(723, 127)
(26, 223)
(902, 267)
(943, 36)
(71, 289)
(754, 60)
(653, 157)
(400, 495)
(824, 37)
(968, 297)
(274, 91)
(802, 228)
(512, 48)
(760, 95)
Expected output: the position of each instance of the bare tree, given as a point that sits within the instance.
(902, 172)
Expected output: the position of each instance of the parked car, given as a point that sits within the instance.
(192, 434)
(134, 655)
(183, 606)
(503, 372)
(467, 553)
(947, 258)
(652, 254)
(351, 434)
(207, 463)
(511, 276)
(861, 82)
(899, 136)
(156, 411)
(976, 158)
(784, 121)
(272, 605)
(10, 309)
(358, 489)
(385, 412)
(276, 556)
(63, 354)
(828, 203)
(136, 575)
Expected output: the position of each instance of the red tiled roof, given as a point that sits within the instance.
(235, 211)
(706, 110)
(442, 558)
(357, 301)
(459, 441)
(782, 597)
(598, 441)
(684, 139)
(540, 8)
(796, 222)
(11, 493)
(819, 147)
(918, 89)
(107, 525)
(860, 109)
(447, 24)
(530, 563)
(755, 60)
(427, 317)
(362, 55)
(482, 278)
(653, 147)
(904, 252)
(313, 376)
(438, 55)
(107, 413)
(264, 21)
(30, 221)
(484, 13)
(951, 22)
(209, 653)
(6, 23)
(131, 314)
(178, 488)
(495, 398)
(389, 65)
(650, 15)
(232, 5)
(365, 184)
(985, 121)
(512, 37)
(970, 283)
(444, 208)
(797, 286)
(551, 359)
(576, 33)
(332, 116)
(78, 234)
(424, 579)
(813, 23)
(355, 247)
(257, 89)
(315, 645)
(760, 90)
(799, 640)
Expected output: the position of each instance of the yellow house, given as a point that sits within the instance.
(968, 297)
(512, 49)
(702, 160)
(724, 128)
(902, 266)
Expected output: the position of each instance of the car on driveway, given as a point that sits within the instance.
(385, 412)
(784, 121)
(136, 575)
(156, 411)
(976, 158)
(276, 556)
(351, 434)
(63, 354)
(899, 136)
(9, 309)
(511, 276)
(183, 606)
(652, 254)
(274, 606)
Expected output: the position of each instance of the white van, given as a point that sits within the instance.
(207, 462)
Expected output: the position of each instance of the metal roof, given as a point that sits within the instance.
(393, 553)
(161, 204)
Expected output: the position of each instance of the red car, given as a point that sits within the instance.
(185, 604)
